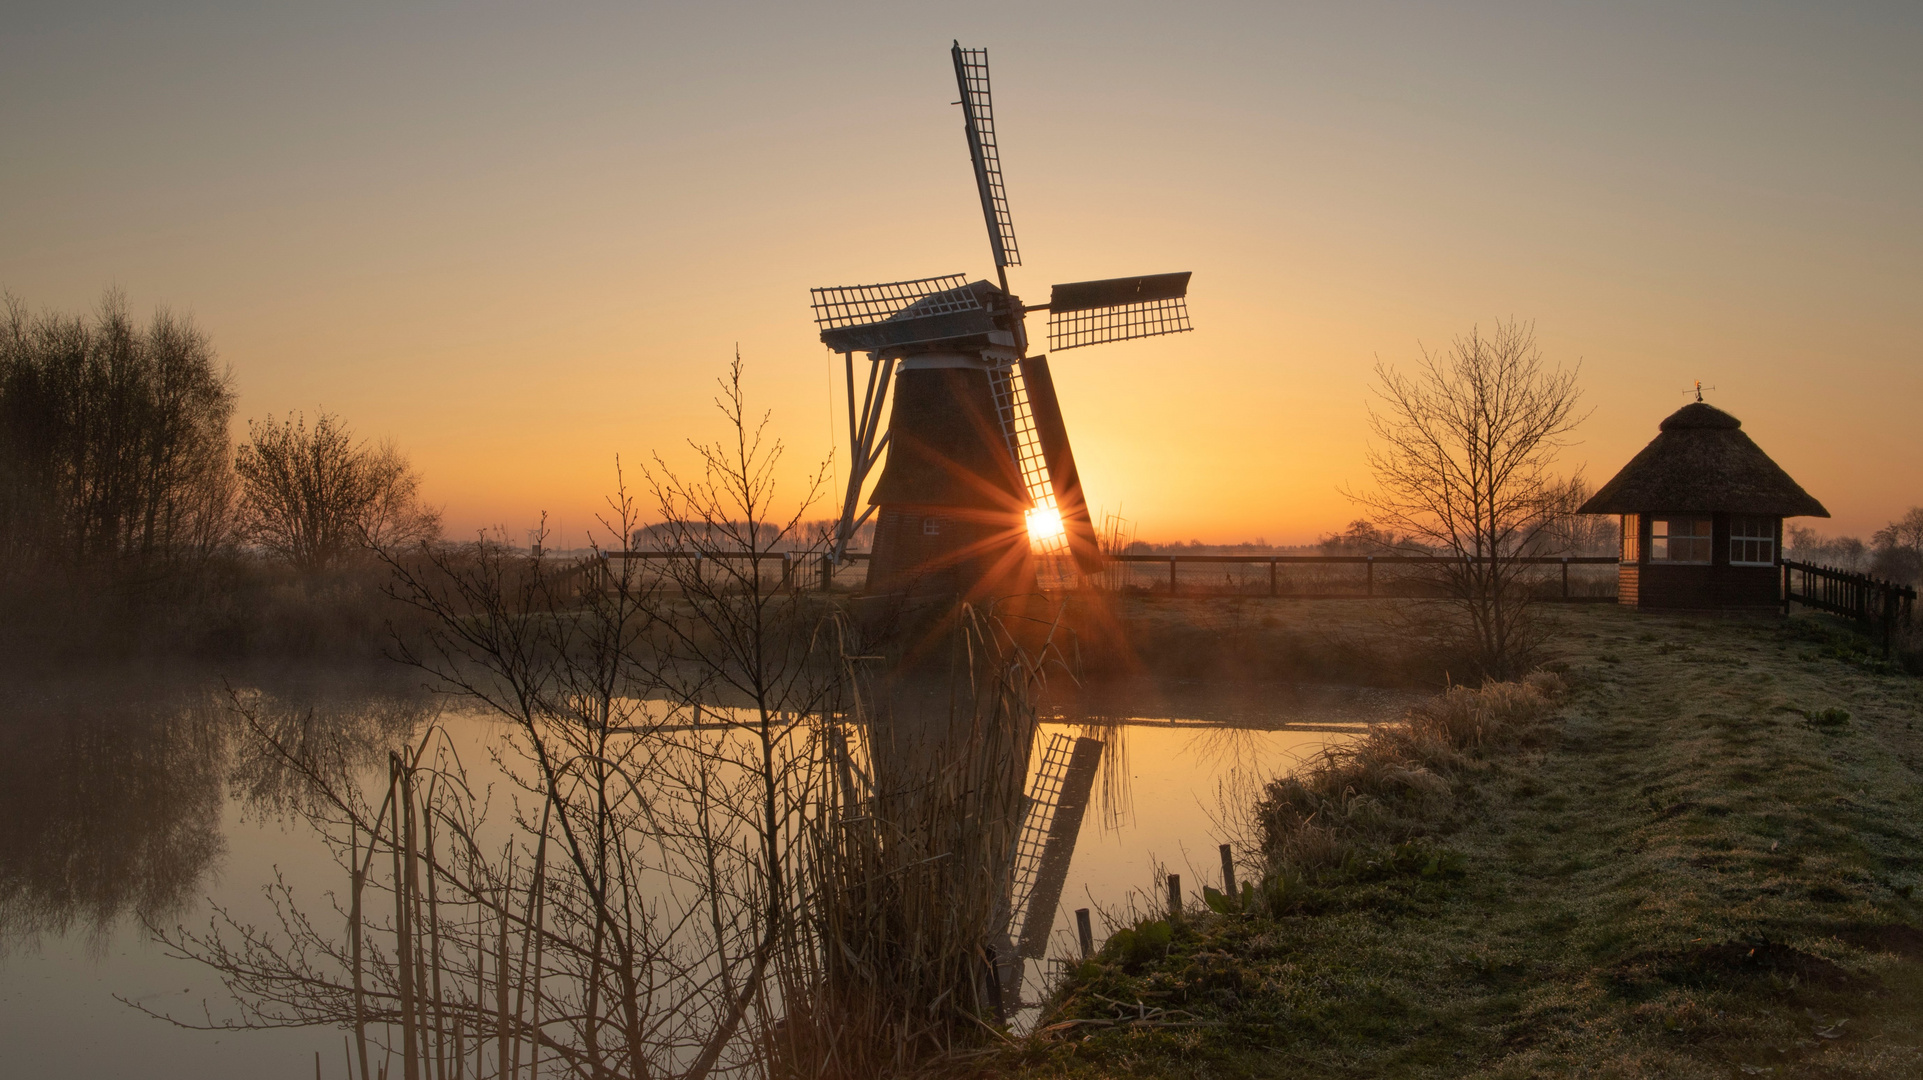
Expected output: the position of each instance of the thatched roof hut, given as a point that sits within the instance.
(1702, 516)
(1703, 463)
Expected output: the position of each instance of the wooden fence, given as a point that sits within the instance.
(1868, 600)
(1366, 576)
(1394, 579)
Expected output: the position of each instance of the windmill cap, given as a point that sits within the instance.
(1696, 416)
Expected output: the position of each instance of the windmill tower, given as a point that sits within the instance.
(979, 480)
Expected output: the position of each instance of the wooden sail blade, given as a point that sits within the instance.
(971, 77)
(1052, 432)
(1117, 309)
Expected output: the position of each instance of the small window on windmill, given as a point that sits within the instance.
(931, 526)
(1752, 541)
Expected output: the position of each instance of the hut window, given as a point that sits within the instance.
(1683, 540)
(931, 526)
(1752, 541)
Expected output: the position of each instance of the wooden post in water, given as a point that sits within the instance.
(1371, 589)
(1565, 577)
(1175, 898)
(1171, 575)
(1271, 576)
(1085, 932)
(1228, 872)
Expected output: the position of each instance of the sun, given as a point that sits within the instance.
(1045, 527)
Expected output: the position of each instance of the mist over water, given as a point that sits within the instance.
(138, 798)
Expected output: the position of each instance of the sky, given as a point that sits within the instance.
(522, 240)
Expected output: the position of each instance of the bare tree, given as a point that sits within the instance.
(313, 497)
(1463, 454)
(113, 441)
(1899, 547)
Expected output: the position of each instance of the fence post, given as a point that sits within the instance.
(1371, 585)
(1175, 898)
(827, 571)
(1086, 932)
(1785, 590)
(1271, 576)
(1171, 575)
(787, 570)
(1228, 872)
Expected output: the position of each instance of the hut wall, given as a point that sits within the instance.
(1700, 587)
(1629, 584)
(1697, 587)
(1717, 584)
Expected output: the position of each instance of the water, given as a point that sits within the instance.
(122, 806)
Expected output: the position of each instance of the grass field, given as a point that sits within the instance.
(1703, 863)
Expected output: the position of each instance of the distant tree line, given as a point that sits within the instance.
(1894, 552)
(117, 465)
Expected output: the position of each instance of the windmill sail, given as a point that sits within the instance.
(1052, 433)
(870, 318)
(1117, 309)
(971, 76)
(1043, 516)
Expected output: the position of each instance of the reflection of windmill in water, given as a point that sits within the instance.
(979, 475)
(1058, 797)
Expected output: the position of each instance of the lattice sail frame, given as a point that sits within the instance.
(1040, 803)
(840, 306)
(1025, 446)
(1121, 322)
(971, 78)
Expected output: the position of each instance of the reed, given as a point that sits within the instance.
(904, 902)
(1396, 782)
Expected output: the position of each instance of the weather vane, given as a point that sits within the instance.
(1698, 390)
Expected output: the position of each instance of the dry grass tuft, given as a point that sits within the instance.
(1396, 783)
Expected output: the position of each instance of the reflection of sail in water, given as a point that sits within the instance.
(1058, 796)
(1064, 825)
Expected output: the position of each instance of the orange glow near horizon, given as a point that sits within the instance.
(520, 243)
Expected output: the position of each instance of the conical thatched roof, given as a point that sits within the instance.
(1702, 463)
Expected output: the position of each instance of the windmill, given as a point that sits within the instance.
(979, 476)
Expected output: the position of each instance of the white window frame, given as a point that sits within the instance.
(1751, 542)
(1659, 542)
(931, 526)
